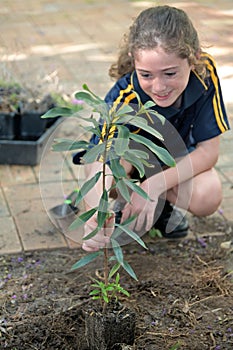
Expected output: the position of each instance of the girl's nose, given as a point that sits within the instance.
(158, 85)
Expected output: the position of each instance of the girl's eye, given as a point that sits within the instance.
(145, 75)
(170, 74)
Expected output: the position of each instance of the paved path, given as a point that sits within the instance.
(60, 45)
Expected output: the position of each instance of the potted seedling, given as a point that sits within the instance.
(23, 134)
(33, 104)
(111, 323)
(9, 105)
(21, 110)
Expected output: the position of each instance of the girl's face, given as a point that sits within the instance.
(163, 76)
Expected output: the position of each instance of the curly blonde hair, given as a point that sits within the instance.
(164, 26)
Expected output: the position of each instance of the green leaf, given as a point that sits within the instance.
(175, 346)
(140, 123)
(98, 284)
(113, 270)
(110, 288)
(149, 104)
(91, 234)
(122, 140)
(117, 169)
(105, 298)
(117, 251)
(93, 130)
(93, 153)
(138, 153)
(102, 209)
(87, 98)
(58, 112)
(117, 232)
(136, 189)
(104, 291)
(117, 278)
(137, 163)
(85, 87)
(160, 152)
(91, 120)
(94, 101)
(129, 270)
(125, 292)
(124, 110)
(128, 221)
(87, 186)
(94, 292)
(69, 145)
(121, 186)
(155, 233)
(132, 235)
(157, 115)
(86, 260)
(82, 219)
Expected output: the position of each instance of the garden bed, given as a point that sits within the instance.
(183, 299)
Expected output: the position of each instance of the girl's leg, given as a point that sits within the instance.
(201, 196)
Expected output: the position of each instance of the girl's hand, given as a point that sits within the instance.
(143, 209)
(102, 238)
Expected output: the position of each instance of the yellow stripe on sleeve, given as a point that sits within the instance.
(216, 99)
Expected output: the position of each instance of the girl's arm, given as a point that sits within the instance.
(202, 159)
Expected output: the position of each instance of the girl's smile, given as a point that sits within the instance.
(163, 76)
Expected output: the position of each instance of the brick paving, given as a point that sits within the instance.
(60, 45)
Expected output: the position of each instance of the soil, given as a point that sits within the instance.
(183, 298)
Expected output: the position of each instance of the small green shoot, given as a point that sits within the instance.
(153, 233)
(108, 292)
(175, 346)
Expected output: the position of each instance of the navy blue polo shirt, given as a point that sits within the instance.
(201, 116)
(202, 108)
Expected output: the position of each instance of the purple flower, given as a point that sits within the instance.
(77, 102)
(14, 297)
(202, 242)
(20, 259)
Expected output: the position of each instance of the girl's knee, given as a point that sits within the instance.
(206, 202)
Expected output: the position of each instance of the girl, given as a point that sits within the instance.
(161, 59)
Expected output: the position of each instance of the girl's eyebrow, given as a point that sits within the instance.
(169, 68)
(162, 70)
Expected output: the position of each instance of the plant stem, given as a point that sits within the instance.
(106, 268)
